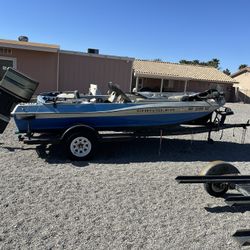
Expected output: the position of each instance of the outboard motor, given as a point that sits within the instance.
(15, 87)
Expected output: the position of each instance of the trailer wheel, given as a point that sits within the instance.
(218, 168)
(81, 145)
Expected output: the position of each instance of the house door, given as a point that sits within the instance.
(4, 64)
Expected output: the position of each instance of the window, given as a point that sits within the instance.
(6, 62)
(171, 84)
(5, 51)
(168, 84)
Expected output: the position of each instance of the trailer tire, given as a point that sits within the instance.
(218, 168)
(81, 146)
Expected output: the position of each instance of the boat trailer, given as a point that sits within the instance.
(215, 125)
(218, 177)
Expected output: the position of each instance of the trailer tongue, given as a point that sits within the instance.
(242, 237)
(233, 179)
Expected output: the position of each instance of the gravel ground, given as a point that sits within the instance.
(126, 198)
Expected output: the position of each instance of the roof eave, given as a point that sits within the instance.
(240, 72)
(148, 75)
(173, 77)
(70, 52)
(29, 47)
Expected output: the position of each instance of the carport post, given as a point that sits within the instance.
(57, 71)
(185, 87)
(162, 80)
(137, 83)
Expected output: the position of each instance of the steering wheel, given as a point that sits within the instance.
(118, 92)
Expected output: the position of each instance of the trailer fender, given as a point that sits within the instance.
(79, 128)
(218, 168)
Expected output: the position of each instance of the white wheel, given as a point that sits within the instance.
(80, 146)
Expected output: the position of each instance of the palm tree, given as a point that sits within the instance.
(227, 72)
(242, 66)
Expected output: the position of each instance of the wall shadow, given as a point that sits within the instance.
(243, 97)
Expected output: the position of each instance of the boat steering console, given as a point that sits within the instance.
(117, 95)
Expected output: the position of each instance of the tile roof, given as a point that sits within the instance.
(28, 45)
(152, 69)
(241, 71)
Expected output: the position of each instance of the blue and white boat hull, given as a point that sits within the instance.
(46, 117)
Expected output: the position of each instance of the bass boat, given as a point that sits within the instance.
(117, 112)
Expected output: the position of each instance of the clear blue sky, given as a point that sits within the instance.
(170, 30)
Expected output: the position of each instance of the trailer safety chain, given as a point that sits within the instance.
(243, 136)
(222, 133)
(159, 152)
(244, 132)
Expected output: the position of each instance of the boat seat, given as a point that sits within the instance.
(112, 97)
(77, 94)
(66, 96)
(177, 98)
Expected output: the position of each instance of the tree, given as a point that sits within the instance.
(227, 72)
(157, 60)
(212, 63)
(242, 66)
(194, 62)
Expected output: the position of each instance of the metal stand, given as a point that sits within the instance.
(241, 183)
(242, 237)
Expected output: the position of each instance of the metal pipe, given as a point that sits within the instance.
(185, 87)
(137, 83)
(162, 82)
(57, 70)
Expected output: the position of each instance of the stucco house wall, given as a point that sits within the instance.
(61, 70)
(79, 70)
(39, 65)
(244, 82)
(243, 86)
